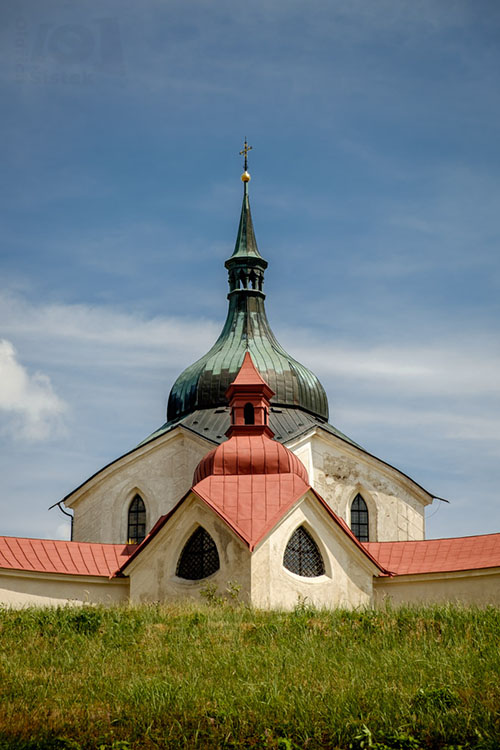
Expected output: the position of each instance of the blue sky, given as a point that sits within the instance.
(375, 196)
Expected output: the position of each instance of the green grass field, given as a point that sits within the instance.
(229, 677)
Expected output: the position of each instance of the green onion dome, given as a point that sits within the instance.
(203, 385)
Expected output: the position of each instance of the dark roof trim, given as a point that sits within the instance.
(309, 428)
(128, 453)
(372, 455)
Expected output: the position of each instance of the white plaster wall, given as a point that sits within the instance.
(348, 579)
(479, 587)
(152, 573)
(160, 472)
(23, 589)
(338, 472)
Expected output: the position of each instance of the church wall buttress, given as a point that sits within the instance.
(347, 581)
(153, 574)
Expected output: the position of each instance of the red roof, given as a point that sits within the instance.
(250, 454)
(56, 556)
(438, 555)
(251, 504)
(235, 515)
(248, 374)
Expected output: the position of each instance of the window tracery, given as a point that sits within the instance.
(302, 555)
(136, 521)
(359, 519)
(199, 558)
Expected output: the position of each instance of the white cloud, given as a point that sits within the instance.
(462, 366)
(33, 410)
(102, 336)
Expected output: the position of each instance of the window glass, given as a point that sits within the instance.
(359, 519)
(302, 555)
(136, 521)
(199, 558)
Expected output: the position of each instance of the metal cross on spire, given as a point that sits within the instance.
(246, 149)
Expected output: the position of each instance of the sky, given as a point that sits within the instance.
(375, 198)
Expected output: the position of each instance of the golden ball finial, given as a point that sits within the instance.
(245, 177)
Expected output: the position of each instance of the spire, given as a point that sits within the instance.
(246, 244)
(203, 385)
(246, 265)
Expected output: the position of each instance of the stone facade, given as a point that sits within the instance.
(161, 472)
(260, 576)
(348, 577)
(338, 471)
(153, 573)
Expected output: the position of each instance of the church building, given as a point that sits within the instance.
(248, 487)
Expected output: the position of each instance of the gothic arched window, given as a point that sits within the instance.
(136, 521)
(199, 558)
(249, 414)
(302, 555)
(359, 519)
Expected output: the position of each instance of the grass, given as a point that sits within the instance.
(218, 676)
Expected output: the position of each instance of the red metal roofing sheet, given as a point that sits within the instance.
(57, 556)
(251, 504)
(438, 555)
(249, 454)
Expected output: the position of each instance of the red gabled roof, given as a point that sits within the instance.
(251, 503)
(235, 514)
(438, 555)
(57, 556)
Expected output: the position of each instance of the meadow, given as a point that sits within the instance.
(221, 675)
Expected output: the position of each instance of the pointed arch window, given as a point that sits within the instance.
(136, 521)
(359, 519)
(302, 555)
(199, 558)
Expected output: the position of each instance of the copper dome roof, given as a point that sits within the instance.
(203, 385)
(249, 454)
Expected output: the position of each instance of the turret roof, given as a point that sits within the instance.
(246, 244)
(203, 384)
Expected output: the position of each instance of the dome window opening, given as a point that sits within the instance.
(359, 519)
(249, 414)
(136, 521)
(302, 555)
(199, 558)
